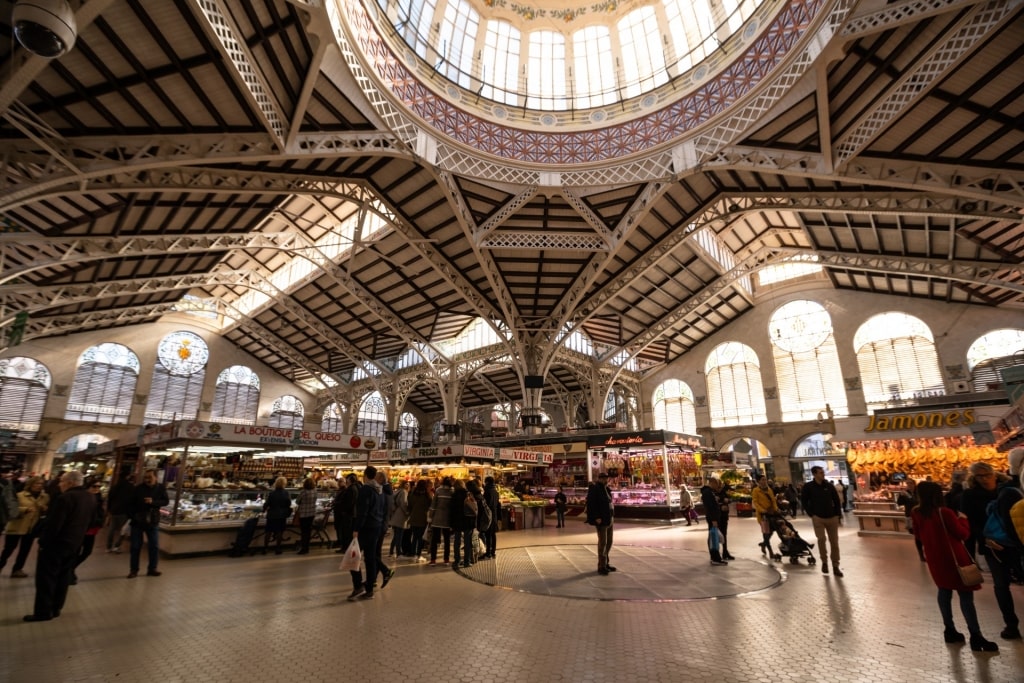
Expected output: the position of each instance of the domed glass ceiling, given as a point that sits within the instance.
(566, 54)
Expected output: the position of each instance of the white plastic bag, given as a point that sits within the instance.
(353, 556)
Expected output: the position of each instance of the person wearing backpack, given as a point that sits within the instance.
(982, 487)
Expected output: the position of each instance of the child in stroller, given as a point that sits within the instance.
(790, 543)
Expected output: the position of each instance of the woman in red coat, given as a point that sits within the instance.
(942, 533)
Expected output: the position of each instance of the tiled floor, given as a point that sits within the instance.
(286, 618)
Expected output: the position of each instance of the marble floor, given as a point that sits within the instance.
(539, 613)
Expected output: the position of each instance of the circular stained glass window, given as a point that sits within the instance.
(183, 353)
(800, 326)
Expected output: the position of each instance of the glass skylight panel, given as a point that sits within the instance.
(595, 68)
(546, 70)
(643, 59)
(678, 29)
(456, 41)
(500, 70)
(780, 272)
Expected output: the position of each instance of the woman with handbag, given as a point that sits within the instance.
(942, 533)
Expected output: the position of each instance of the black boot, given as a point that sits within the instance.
(951, 635)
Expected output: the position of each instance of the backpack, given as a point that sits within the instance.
(483, 520)
(996, 528)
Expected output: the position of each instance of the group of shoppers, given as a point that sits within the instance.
(66, 519)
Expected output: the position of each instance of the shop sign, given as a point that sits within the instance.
(479, 452)
(430, 453)
(533, 457)
(387, 455)
(923, 420)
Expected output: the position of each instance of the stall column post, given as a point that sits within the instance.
(179, 484)
(668, 480)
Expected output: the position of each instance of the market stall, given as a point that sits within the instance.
(217, 475)
(645, 471)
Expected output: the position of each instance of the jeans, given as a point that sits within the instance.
(114, 532)
(464, 538)
(490, 539)
(152, 533)
(560, 516)
(723, 526)
(23, 542)
(435, 537)
(827, 526)
(305, 533)
(368, 538)
(417, 540)
(604, 545)
(966, 608)
(396, 540)
(999, 562)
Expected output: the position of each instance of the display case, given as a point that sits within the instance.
(208, 520)
(630, 503)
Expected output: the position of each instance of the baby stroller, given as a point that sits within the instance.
(790, 543)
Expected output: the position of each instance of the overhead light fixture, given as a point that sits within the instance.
(44, 27)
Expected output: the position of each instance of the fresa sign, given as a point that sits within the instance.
(915, 421)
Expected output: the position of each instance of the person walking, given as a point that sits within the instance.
(820, 500)
(306, 513)
(942, 531)
(765, 504)
(493, 500)
(601, 514)
(724, 506)
(144, 508)
(278, 508)
(419, 508)
(983, 486)
(118, 499)
(23, 530)
(366, 528)
(713, 514)
(93, 486)
(686, 503)
(66, 524)
(439, 520)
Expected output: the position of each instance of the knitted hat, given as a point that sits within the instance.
(1016, 460)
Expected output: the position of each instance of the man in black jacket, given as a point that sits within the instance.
(144, 509)
(66, 523)
(601, 513)
(344, 509)
(367, 526)
(713, 513)
(821, 501)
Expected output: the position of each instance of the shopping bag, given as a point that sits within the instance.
(427, 533)
(714, 539)
(350, 562)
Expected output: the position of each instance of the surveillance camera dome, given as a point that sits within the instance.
(44, 27)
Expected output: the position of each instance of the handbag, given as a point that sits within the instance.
(970, 574)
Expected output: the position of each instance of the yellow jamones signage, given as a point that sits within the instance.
(912, 421)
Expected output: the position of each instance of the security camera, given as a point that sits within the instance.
(44, 27)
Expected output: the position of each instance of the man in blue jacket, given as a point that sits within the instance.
(367, 527)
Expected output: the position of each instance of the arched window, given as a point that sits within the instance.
(673, 407)
(409, 430)
(237, 397)
(80, 443)
(992, 352)
(897, 360)
(501, 414)
(331, 420)
(177, 377)
(287, 412)
(24, 385)
(104, 385)
(806, 361)
(373, 417)
(735, 390)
